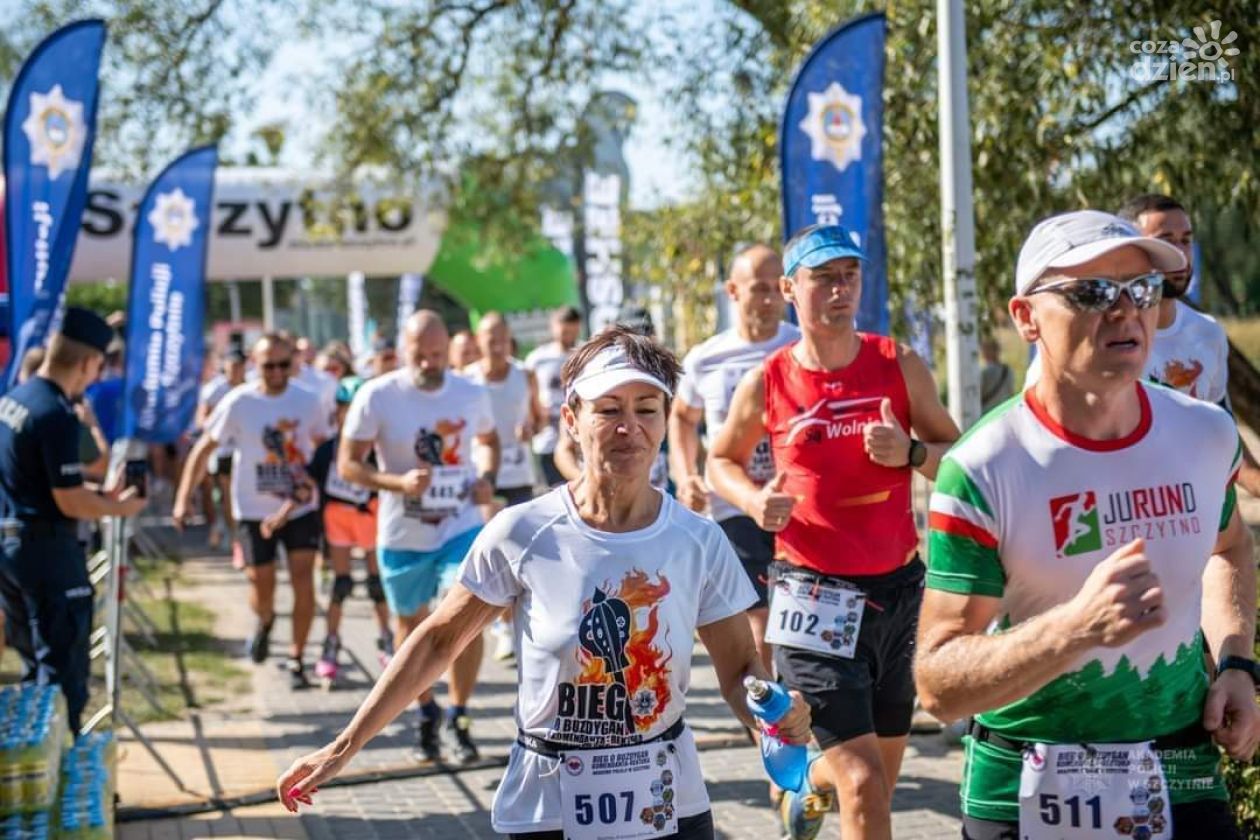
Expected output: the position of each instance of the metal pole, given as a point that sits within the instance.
(234, 302)
(958, 234)
(269, 302)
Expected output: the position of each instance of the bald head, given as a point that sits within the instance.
(756, 260)
(494, 338)
(425, 348)
(753, 287)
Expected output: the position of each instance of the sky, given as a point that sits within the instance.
(658, 172)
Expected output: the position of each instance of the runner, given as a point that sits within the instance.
(517, 412)
(272, 427)
(1190, 352)
(1068, 519)
(847, 580)
(514, 401)
(464, 350)
(546, 361)
(348, 513)
(219, 473)
(608, 580)
(422, 423)
(710, 373)
(314, 378)
(384, 358)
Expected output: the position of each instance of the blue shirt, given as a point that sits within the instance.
(39, 450)
(105, 396)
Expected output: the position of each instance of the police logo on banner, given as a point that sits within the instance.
(834, 126)
(174, 218)
(56, 131)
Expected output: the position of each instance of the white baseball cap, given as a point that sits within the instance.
(1071, 239)
(608, 369)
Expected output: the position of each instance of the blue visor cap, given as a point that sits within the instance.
(821, 245)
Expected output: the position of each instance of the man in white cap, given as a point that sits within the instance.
(1107, 563)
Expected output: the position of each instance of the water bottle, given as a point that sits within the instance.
(785, 763)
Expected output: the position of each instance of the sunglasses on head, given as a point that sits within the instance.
(277, 365)
(1098, 294)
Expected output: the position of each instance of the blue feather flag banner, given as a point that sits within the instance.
(831, 151)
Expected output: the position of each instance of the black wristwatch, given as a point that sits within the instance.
(918, 453)
(1242, 663)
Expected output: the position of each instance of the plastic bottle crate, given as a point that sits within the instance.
(32, 738)
(85, 806)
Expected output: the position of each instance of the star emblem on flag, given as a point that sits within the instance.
(834, 126)
(174, 219)
(56, 131)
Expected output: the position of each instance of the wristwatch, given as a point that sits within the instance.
(918, 453)
(1242, 663)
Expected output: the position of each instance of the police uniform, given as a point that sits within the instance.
(44, 586)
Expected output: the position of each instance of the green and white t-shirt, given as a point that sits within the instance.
(1023, 510)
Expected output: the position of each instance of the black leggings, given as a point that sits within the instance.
(699, 827)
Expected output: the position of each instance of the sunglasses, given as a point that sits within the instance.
(1098, 294)
(277, 365)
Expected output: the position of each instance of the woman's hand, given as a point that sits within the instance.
(304, 776)
(794, 727)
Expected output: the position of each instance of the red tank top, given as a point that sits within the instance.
(852, 516)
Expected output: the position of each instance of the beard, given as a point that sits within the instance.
(1176, 287)
(429, 380)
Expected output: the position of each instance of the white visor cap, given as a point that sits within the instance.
(609, 369)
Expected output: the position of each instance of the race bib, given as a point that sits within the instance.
(812, 616)
(336, 487)
(1093, 791)
(619, 793)
(445, 494)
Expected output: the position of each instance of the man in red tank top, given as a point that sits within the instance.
(847, 579)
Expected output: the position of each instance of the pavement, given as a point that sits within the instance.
(229, 756)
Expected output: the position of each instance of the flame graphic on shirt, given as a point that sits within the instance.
(1182, 376)
(646, 666)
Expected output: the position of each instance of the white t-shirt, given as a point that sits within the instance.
(545, 361)
(411, 427)
(323, 384)
(211, 394)
(710, 373)
(1191, 356)
(272, 439)
(560, 576)
(509, 400)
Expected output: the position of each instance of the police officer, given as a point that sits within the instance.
(44, 585)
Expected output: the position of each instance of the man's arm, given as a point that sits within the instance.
(82, 503)
(684, 454)
(1229, 625)
(537, 414)
(735, 443)
(929, 419)
(352, 465)
(960, 670)
(194, 472)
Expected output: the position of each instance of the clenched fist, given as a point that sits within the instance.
(1121, 599)
(772, 508)
(887, 444)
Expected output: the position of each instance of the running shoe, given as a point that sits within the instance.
(385, 647)
(297, 676)
(802, 812)
(428, 746)
(326, 668)
(259, 644)
(459, 734)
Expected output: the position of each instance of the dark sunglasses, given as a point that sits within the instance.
(1098, 294)
(277, 365)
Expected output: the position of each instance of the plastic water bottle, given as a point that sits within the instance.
(785, 763)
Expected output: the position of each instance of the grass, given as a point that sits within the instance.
(1245, 333)
(193, 668)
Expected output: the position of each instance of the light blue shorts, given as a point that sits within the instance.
(411, 578)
